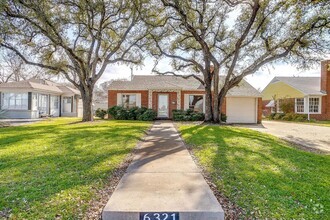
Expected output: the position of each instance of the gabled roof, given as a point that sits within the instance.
(161, 82)
(306, 85)
(39, 85)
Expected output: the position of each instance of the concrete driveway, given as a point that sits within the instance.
(316, 138)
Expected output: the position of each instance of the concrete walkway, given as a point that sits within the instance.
(163, 178)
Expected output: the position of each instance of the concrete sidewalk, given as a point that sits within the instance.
(163, 178)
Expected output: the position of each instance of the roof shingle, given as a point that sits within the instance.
(161, 82)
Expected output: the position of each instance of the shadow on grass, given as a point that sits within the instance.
(39, 163)
(260, 173)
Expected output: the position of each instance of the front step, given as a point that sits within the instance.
(185, 193)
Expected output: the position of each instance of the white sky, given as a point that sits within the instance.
(259, 80)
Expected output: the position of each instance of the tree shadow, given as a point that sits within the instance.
(259, 171)
(65, 158)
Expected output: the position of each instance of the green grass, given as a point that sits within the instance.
(54, 168)
(262, 174)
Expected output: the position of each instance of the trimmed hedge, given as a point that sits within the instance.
(189, 115)
(135, 113)
(288, 117)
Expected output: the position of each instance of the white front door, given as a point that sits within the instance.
(163, 105)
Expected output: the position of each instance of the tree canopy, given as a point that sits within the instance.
(235, 38)
(76, 38)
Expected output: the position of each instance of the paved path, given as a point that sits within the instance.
(163, 178)
(310, 136)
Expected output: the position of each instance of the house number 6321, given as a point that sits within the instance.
(159, 216)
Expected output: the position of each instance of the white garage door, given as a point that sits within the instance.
(241, 110)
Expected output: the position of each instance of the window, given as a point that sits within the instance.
(15, 101)
(67, 104)
(55, 102)
(314, 104)
(129, 101)
(67, 100)
(196, 103)
(42, 103)
(300, 105)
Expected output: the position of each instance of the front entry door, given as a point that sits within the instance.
(163, 105)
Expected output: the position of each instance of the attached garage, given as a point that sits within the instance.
(242, 109)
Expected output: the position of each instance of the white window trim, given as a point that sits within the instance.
(8, 106)
(296, 107)
(320, 104)
(186, 101)
(136, 98)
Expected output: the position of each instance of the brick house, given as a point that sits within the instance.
(243, 103)
(309, 95)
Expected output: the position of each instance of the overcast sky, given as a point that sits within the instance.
(259, 80)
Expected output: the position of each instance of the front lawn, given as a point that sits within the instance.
(261, 173)
(52, 169)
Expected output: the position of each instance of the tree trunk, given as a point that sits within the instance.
(221, 98)
(216, 112)
(208, 104)
(87, 98)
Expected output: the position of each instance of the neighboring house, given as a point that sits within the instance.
(309, 95)
(37, 98)
(165, 93)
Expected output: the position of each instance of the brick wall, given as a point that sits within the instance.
(260, 107)
(112, 97)
(189, 92)
(325, 86)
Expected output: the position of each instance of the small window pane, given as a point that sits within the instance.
(314, 105)
(129, 101)
(196, 103)
(300, 105)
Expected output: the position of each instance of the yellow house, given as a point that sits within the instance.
(311, 95)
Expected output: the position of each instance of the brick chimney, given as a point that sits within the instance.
(325, 87)
(325, 76)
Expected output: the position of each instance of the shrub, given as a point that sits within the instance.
(135, 113)
(148, 115)
(121, 114)
(113, 111)
(287, 105)
(271, 116)
(223, 117)
(289, 117)
(189, 115)
(279, 116)
(100, 113)
(300, 117)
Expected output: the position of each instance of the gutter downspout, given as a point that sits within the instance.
(308, 108)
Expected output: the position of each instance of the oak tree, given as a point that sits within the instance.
(76, 38)
(234, 38)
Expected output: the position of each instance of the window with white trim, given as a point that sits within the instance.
(314, 105)
(42, 103)
(300, 105)
(129, 101)
(13, 101)
(196, 103)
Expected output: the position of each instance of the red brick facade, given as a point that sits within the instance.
(325, 86)
(112, 100)
(259, 116)
(112, 97)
